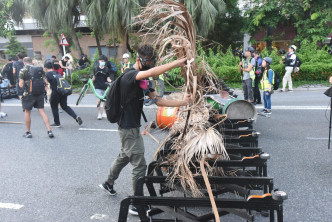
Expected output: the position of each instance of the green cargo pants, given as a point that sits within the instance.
(132, 151)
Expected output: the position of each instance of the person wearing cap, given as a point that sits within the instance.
(267, 85)
(290, 60)
(125, 64)
(247, 67)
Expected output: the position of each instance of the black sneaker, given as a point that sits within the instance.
(27, 135)
(50, 134)
(133, 211)
(267, 112)
(108, 188)
(55, 125)
(79, 120)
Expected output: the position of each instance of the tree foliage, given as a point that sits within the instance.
(6, 25)
(14, 47)
(310, 17)
(228, 26)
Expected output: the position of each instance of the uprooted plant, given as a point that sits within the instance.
(194, 137)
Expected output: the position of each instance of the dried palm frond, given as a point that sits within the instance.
(192, 135)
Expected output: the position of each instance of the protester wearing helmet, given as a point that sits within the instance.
(267, 85)
(289, 61)
(125, 64)
(247, 68)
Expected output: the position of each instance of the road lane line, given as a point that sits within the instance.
(102, 130)
(11, 206)
(155, 107)
(99, 217)
(316, 138)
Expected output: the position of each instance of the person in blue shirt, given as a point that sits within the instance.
(267, 85)
(258, 77)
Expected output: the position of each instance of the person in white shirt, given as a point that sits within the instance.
(290, 60)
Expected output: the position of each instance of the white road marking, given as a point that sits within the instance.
(102, 130)
(11, 206)
(316, 138)
(155, 107)
(71, 105)
(99, 217)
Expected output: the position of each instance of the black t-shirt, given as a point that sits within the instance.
(82, 62)
(64, 64)
(50, 76)
(101, 78)
(131, 117)
(18, 65)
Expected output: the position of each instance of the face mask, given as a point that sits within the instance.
(102, 63)
(56, 66)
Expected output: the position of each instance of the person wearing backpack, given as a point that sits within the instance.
(258, 77)
(32, 81)
(8, 71)
(267, 85)
(56, 97)
(130, 97)
(102, 75)
(290, 62)
(17, 66)
(247, 67)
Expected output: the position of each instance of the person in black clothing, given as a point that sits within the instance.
(132, 146)
(17, 66)
(82, 63)
(102, 75)
(258, 77)
(56, 98)
(8, 71)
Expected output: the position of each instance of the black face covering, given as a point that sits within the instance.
(56, 66)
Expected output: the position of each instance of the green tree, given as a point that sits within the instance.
(95, 11)
(56, 14)
(6, 25)
(309, 17)
(228, 26)
(14, 47)
(204, 13)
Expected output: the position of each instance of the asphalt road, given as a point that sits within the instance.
(57, 179)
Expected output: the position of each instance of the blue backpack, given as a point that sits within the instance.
(112, 67)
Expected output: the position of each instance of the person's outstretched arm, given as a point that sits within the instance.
(170, 103)
(156, 71)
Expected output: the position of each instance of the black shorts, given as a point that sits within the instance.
(30, 101)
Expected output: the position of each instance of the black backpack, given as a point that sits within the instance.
(8, 69)
(277, 80)
(298, 62)
(63, 87)
(114, 105)
(36, 80)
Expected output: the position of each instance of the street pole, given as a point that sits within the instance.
(330, 124)
(64, 53)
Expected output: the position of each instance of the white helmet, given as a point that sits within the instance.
(293, 47)
(125, 56)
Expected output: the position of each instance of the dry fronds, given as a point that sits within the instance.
(192, 135)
